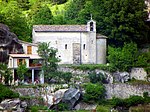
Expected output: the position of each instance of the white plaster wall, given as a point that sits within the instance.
(101, 51)
(58, 40)
(138, 73)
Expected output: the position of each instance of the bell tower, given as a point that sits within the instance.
(91, 28)
(91, 25)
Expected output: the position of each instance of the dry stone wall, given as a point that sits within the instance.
(122, 90)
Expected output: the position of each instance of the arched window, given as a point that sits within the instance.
(65, 46)
(91, 26)
(83, 46)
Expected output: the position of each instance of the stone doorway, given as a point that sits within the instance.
(76, 53)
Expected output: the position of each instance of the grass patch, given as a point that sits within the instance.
(91, 67)
(138, 82)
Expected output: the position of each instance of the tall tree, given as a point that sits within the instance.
(42, 16)
(72, 10)
(121, 20)
(50, 61)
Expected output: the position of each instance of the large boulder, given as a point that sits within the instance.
(71, 97)
(121, 76)
(9, 43)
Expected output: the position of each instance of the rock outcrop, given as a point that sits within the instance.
(13, 105)
(9, 43)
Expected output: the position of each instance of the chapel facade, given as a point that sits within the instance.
(76, 44)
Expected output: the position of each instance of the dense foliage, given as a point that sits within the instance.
(94, 93)
(6, 93)
(126, 57)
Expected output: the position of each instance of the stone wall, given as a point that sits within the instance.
(125, 90)
(138, 74)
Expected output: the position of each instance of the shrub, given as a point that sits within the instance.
(94, 93)
(66, 76)
(125, 58)
(6, 93)
(134, 100)
(116, 102)
(96, 78)
(62, 106)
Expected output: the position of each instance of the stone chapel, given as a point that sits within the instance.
(76, 44)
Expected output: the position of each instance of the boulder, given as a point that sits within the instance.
(71, 96)
(121, 76)
(13, 104)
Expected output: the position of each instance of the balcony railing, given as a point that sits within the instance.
(35, 65)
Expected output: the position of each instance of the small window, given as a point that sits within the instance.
(65, 46)
(91, 26)
(83, 46)
(29, 49)
(19, 61)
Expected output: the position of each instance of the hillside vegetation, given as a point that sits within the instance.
(122, 21)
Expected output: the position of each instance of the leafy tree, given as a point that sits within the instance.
(42, 16)
(125, 58)
(5, 73)
(21, 71)
(122, 20)
(50, 61)
(72, 10)
(13, 17)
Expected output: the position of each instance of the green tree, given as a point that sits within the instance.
(5, 73)
(21, 71)
(13, 17)
(125, 58)
(122, 20)
(42, 16)
(50, 61)
(72, 10)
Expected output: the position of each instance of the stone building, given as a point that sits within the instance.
(76, 44)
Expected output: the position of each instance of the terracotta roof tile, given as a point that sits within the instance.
(60, 28)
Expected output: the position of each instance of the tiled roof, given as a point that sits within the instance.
(60, 28)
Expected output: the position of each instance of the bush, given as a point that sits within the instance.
(134, 100)
(66, 76)
(125, 58)
(96, 78)
(116, 102)
(6, 93)
(62, 106)
(94, 93)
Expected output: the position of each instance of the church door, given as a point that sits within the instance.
(76, 53)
